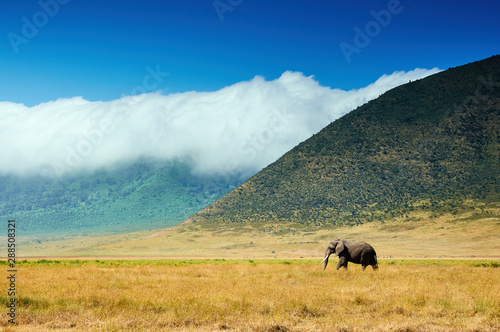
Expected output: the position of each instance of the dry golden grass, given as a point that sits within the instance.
(418, 295)
(469, 233)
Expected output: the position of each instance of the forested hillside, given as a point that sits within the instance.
(142, 195)
(430, 145)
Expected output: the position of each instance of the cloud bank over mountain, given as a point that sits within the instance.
(240, 128)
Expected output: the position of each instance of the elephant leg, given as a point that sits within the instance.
(365, 260)
(375, 267)
(363, 267)
(342, 263)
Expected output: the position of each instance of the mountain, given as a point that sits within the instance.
(430, 145)
(138, 196)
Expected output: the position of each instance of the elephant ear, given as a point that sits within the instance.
(339, 248)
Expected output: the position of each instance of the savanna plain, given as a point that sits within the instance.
(255, 295)
(444, 276)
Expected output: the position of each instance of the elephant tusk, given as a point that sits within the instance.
(324, 259)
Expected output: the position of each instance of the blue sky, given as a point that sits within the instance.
(100, 49)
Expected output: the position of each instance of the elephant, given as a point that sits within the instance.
(357, 252)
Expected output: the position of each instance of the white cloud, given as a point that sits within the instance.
(244, 126)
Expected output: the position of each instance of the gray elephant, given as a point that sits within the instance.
(351, 251)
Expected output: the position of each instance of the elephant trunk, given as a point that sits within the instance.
(325, 260)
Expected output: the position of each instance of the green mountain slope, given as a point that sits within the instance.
(139, 196)
(430, 145)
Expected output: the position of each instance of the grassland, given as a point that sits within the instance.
(476, 232)
(255, 295)
(264, 293)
